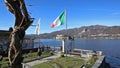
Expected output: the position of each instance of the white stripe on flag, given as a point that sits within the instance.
(38, 27)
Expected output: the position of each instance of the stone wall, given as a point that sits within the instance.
(101, 63)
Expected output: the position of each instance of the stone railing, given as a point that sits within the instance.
(100, 63)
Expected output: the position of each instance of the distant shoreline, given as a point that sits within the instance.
(100, 37)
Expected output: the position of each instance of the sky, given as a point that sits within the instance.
(79, 13)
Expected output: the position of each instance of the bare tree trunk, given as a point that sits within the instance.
(22, 22)
(15, 52)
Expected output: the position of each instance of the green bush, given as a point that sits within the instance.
(62, 55)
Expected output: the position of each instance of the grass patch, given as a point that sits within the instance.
(43, 65)
(33, 56)
(62, 62)
(27, 58)
(91, 62)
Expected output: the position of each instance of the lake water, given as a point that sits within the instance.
(109, 47)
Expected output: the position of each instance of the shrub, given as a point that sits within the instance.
(62, 55)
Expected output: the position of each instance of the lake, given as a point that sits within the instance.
(109, 47)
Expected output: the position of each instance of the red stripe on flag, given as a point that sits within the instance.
(52, 25)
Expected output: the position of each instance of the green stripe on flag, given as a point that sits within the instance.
(62, 18)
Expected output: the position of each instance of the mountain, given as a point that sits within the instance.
(88, 31)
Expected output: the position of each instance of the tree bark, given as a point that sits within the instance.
(22, 22)
(15, 51)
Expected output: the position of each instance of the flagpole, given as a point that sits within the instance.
(39, 48)
(39, 31)
(66, 19)
(39, 40)
(66, 30)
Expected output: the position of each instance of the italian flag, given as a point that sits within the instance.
(60, 20)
